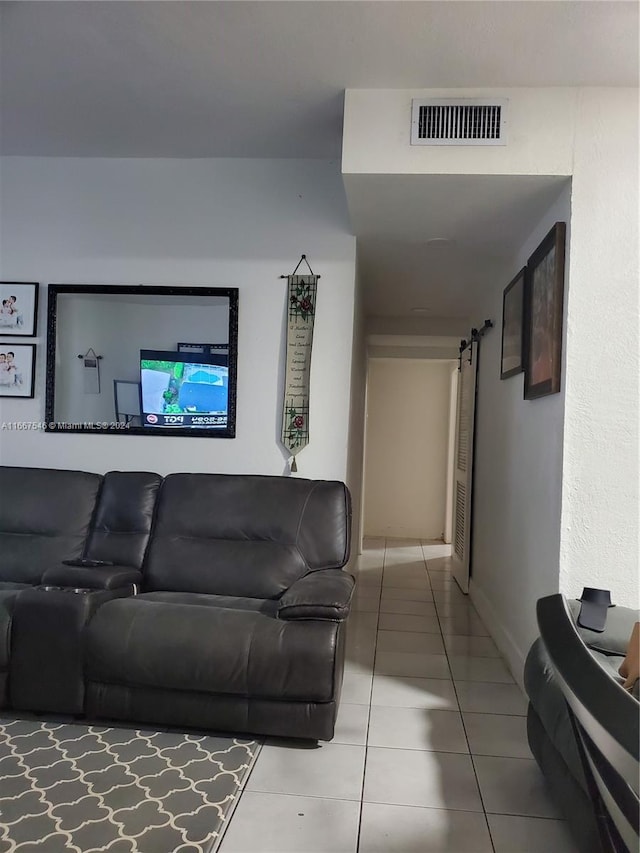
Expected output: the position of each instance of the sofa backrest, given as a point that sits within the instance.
(45, 516)
(245, 535)
(606, 725)
(122, 522)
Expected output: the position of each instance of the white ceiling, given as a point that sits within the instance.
(487, 217)
(266, 79)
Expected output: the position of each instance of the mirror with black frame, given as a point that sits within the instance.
(142, 360)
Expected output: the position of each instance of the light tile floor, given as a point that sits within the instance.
(430, 753)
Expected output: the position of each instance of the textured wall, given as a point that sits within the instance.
(600, 518)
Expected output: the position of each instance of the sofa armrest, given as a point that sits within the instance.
(323, 594)
(103, 577)
(614, 640)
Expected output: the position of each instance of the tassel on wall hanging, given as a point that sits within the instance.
(301, 310)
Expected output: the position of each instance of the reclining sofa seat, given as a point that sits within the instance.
(118, 536)
(239, 625)
(45, 517)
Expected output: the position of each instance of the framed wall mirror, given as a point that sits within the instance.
(120, 360)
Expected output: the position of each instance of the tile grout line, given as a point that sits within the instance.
(373, 666)
(227, 823)
(464, 726)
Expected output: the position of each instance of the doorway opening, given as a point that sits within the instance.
(410, 429)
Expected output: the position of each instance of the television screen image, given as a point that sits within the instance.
(181, 389)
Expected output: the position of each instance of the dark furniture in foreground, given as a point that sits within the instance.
(223, 604)
(583, 726)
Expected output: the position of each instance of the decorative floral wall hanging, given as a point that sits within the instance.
(301, 295)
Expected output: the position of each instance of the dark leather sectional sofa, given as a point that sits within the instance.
(550, 731)
(221, 603)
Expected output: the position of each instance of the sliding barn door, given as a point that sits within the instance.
(463, 462)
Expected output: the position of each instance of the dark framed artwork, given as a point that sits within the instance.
(544, 297)
(512, 327)
(18, 308)
(17, 370)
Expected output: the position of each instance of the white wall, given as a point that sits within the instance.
(406, 452)
(355, 470)
(517, 491)
(228, 223)
(601, 504)
(377, 130)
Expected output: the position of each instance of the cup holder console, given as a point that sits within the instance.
(47, 664)
(79, 590)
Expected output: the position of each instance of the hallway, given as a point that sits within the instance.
(430, 753)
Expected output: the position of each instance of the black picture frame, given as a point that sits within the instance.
(22, 322)
(22, 387)
(544, 301)
(512, 352)
(164, 293)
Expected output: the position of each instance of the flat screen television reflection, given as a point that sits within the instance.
(183, 390)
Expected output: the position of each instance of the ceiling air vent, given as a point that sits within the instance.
(459, 121)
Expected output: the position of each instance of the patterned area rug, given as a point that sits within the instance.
(69, 787)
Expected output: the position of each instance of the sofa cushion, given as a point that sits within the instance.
(246, 536)
(44, 518)
(230, 602)
(210, 649)
(122, 523)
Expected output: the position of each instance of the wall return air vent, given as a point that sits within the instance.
(459, 121)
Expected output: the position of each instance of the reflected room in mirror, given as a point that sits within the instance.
(131, 360)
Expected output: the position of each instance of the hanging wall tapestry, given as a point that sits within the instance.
(301, 311)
